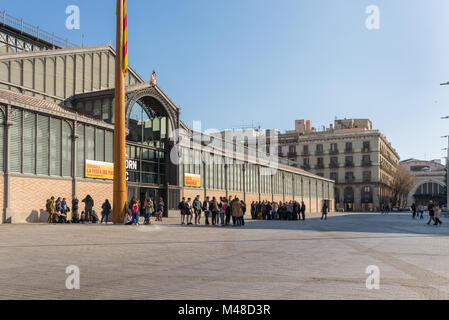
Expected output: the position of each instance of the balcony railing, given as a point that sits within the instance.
(333, 151)
(319, 166)
(305, 153)
(366, 150)
(334, 165)
(292, 154)
(318, 152)
(349, 150)
(350, 179)
(367, 163)
(305, 167)
(349, 164)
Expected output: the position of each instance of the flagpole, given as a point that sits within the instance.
(119, 204)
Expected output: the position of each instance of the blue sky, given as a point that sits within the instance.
(271, 62)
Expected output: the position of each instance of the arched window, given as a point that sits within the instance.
(349, 195)
(367, 194)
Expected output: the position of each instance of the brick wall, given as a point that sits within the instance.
(29, 196)
(99, 191)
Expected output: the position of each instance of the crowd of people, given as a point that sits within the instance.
(215, 212)
(58, 211)
(221, 211)
(150, 208)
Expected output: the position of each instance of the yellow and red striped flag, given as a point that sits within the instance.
(125, 39)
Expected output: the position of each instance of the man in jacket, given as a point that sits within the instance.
(215, 210)
(50, 207)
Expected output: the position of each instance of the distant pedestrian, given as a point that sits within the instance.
(324, 211)
(182, 210)
(215, 211)
(188, 211)
(437, 216)
(431, 209)
(413, 208)
(206, 209)
(303, 211)
(135, 211)
(75, 210)
(88, 207)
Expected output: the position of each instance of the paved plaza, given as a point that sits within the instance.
(265, 260)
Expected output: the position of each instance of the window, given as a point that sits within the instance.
(319, 148)
(348, 147)
(29, 142)
(16, 141)
(366, 146)
(55, 147)
(334, 176)
(367, 176)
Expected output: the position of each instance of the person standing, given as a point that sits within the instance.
(324, 211)
(421, 211)
(237, 212)
(88, 207)
(242, 219)
(431, 209)
(275, 210)
(206, 209)
(253, 210)
(182, 211)
(303, 211)
(105, 211)
(160, 209)
(135, 211)
(228, 212)
(197, 210)
(188, 210)
(64, 209)
(75, 210)
(149, 209)
(223, 206)
(215, 210)
(51, 209)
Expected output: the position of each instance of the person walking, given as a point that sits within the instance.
(182, 211)
(88, 207)
(303, 211)
(75, 210)
(105, 211)
(431, 209)
(324, 211)
(197, 210)
(437, 216)
(206, 209)
(413, 208)
(421, 211)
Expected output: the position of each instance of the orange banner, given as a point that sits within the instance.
(192, 180)
(99, 170)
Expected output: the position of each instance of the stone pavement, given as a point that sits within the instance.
(265, 260)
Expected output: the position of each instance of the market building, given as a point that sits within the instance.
(56, 136)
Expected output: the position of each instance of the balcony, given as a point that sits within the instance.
(349, 150)
(333, 165)
(367, 163)
(331, 151)
(349, 179)
(305, 167)
(366, 150)
(319, 166)
(349, 164)
(305, 153)
(367, 180)
(319, 152)
(292, 154)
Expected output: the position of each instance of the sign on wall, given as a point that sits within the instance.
(99, 170)
(192, 180)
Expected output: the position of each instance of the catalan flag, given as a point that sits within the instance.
(125, 39)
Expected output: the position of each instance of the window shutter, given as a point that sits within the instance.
(55, 147)
(29, 142)
(16, 141)
(99, 145)
(66, 149)
(109, 141)
(81, 155)
(90, 143)
(42, 144)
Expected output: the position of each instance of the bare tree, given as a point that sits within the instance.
(401, 185)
